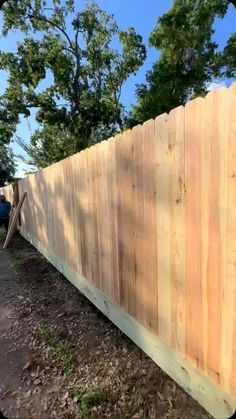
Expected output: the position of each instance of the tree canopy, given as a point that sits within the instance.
(2, 3)
(189, 58)
(7, 165)
(72, 50)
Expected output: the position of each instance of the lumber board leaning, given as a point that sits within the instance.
(216, 401)
(14, 221)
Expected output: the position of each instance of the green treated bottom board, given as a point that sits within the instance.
(218, 403)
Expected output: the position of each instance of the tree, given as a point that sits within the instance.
(84, 73)
(2, 3)
(189, 59)
(7, 165)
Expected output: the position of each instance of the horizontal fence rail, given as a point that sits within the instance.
(144, 224)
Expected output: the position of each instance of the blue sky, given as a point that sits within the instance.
(142, 15)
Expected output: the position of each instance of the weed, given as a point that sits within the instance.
(61, 351)
(2, 234)
(17, 257)
(90, 398)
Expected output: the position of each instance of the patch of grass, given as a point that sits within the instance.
(90, 398)
(16, 257)
(2, 234)
(61, 351)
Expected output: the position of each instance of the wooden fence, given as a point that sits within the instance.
(144, 224)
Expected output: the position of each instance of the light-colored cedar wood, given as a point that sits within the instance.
(104, 222)
(148, 218)
(58, 209)
(176, 137)
(50, 209)
(64, 217)
(108, 217)
(36, 185)
(114, 231)
(89, 216)
(216, 266)
(98, 164)
(86, 215)
(14, 221)
(76, 212)
(80, 179)
(30, 213)
(98, 213)
(205, 143)
(22, 185)
(130, 185)
(81, 197)
(44, 206)
(192, 380)
(150, 151)
(100, 174)
(138, 214)
(93, 219)
(194, 180)
(121, 216)
(110, 180)
(163, 228)
(225, 304)
(71, 205)
(8, 192)
(15, 201)
(128, 267)
(230, 279)
(102, 217)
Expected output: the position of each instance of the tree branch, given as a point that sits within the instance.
(70, 50)
(77, 71)
(53, 24)
(46, 106)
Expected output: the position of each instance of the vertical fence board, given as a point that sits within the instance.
(148, 218)
(230, 279)
(217, 197)
(138, 214)
(121, 216)
(194, 179)
(128, 232)
(149, 225)
(176, 154)
(163, 228)
(113, 220)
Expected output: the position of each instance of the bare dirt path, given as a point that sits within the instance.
(61, 358)
(13, 353)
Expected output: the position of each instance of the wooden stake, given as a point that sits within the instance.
(14, 221)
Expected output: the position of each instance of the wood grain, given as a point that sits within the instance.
(148, 218)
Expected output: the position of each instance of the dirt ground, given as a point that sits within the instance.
(61, 358)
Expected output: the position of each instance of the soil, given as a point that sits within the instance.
(61, 358)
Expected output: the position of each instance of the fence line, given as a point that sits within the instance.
(148, 219)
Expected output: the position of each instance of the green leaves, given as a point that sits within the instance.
(228, 59)
(7, 165)
(72, 54)
(189, 59)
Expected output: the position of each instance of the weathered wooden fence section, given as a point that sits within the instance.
(144, 224)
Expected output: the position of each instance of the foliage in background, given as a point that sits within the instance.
(84, 73)
(7, 166)
(189, 59)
